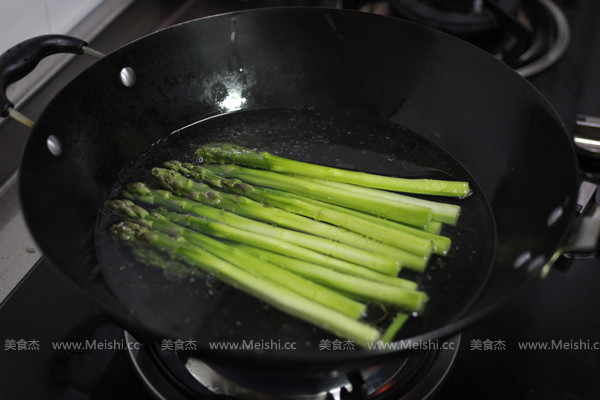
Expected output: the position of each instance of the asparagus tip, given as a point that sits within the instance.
(166, 178)
(219, 153)
(122, 231)
(173, 164)
(139, 188)
(127, 208)
(235, 183)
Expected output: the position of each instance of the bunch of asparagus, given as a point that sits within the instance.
(316, 242)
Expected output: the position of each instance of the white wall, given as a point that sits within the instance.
(22, 19)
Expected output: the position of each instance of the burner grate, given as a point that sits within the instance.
(527, 35)
(174, 375)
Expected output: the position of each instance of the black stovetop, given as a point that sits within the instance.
(562, 309)
(45, 310)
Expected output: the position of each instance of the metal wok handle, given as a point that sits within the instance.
(584, 237)
(585, 234)
(21, 59)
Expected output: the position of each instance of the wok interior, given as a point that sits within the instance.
(504, 134)
(208, 311)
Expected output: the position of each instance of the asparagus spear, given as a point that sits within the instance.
(202, 174)
(296, 204)
(267, 234)
(441, 212)
(241, 259)
(270, 292)
(405, 213)
(378, 256)
(406, 298)
(147, 255)
(441, 244)
(434, 227)
(373, 225)
(224, 153)
(172, 268)
(394, 327)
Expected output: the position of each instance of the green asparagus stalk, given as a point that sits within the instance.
(250, 230)
(290, 251)
(383, 208)
(361, 250)
(407, 298)
(273, 243)
(297, 205)
(394, 327)
(441, 212)
(272, 293)
(223, 153)
(240, 259)
(434, 227)
(441, 244)
(201, 174)
(172, 268)
(387, 231)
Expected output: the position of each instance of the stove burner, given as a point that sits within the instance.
(527, 35)
(459, 18)
(174, 376)
(549, 44)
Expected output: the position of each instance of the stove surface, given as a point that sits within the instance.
(493, 360)
(502, 356)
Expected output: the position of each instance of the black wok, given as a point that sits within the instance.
(403, 91)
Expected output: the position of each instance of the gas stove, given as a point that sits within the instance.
(542, 343)
(529, 36)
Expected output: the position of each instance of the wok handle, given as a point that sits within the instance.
(586, 137)
(21, 59)
(584, 237)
